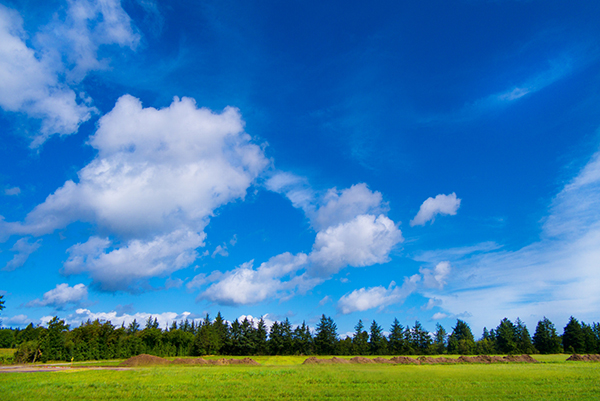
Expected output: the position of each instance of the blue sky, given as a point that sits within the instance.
(432, 161)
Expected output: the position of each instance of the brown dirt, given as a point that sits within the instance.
(382, 360)
(584, 358)
(519, 358)
(313, 360)
(339, 360)
(404, 360)
(243, 361)
(427, 360)
(145, 360)
(190, 361)
(361, 359)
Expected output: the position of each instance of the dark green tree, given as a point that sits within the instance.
(303, 341)
(419, 338)
(326, 336)
(461, 340)
(439, 339)
(261, 338)
(545, 338)
(573, 338)
(53, 343)
(397, 341)
(377, 341)
(589, 338)
(360, 340)
(506, 342)
(522, 338)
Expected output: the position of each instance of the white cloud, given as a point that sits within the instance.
(220, 250)
(432, 303)
(158, 177)
(347, 236)
(17, 320)
(441, 204)
(363, 299)
(30, 85)
(436, 277)
(439, 315)
(164, 319)
(364, 241)
(62, 296)
(22, 249)
(12, 191)
(245, 285)
(325, 300)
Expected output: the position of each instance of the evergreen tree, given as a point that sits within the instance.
(261, 337)
(133, 327)
(360, 340)
(396, 340)
(286, 333)
(439, 339)
(377, 341)
(485, 345)
(222, 330)
(419, 338)
(326, 336)
(53, 343)
(505, 337)
(573, 338)
(545, 338)
(589, 338)
(303, 341)
(461, 340)
(522, 338)
(275, 343)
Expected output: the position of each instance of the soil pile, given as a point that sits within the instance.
(190, 361)
(584, 358)
(144, 360)
(316, 361)
(404, 360)
(243, 361)
(382, 360)
(361, 359)
(339, 360)
(519, 358)
(427, 360)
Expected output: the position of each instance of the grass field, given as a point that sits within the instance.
(285, 377)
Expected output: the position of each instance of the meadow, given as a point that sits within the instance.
(286, 377)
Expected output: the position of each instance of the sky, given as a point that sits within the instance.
(427, 161)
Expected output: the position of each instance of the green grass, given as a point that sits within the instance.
(284, 377)
(6, 352)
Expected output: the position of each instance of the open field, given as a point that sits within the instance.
(285, 377)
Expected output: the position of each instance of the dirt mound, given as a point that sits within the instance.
(243, 361)
(190, 361)
(404, 360)
(381, 360)
(519, 358)
(361, 359)
(316, 361)
(144, 360)
(339, 360)
(442, 359)
(584, 358)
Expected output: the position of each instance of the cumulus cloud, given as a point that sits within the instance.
(22, 249)
(157, 179)
(62, 296)
(348, 234)
(246, 285)
(364, 241)
(17, 320)
(441, 204)
(40, 82)
(363, 299)
(31, 86)
(436, 277)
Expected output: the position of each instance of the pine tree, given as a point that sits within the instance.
(360, 340)
(461, 340)
(377, 341)
(523, 339)
(440, 339)
(505, 337)
(573, 338)
(261, 337)
(396, 339)
(545, 338)
(326, 336)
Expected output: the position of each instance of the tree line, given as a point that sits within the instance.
(98, 339)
